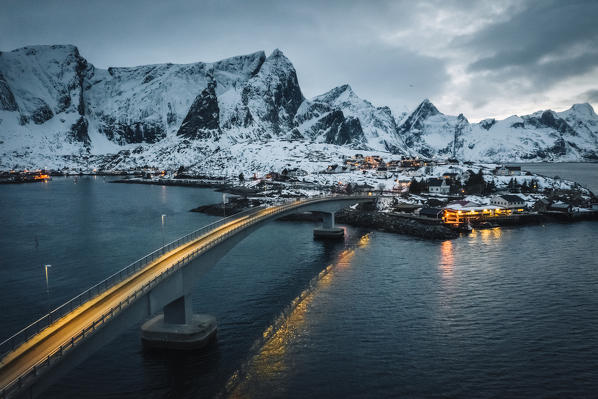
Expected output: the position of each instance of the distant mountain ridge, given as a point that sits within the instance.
(53, 102)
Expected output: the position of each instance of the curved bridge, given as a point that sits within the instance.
(41, 353)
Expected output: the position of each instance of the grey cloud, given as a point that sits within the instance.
(337, 41)
(547, 42)
(590, 96)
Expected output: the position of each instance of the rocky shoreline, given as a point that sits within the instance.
(394, 223)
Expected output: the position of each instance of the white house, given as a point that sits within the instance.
(509, 201)
(438, 186)
(508, 171)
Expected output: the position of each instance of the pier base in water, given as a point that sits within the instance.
(196, 334)
(331, 233)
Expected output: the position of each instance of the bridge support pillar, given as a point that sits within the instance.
(178, 327)
(328, 230)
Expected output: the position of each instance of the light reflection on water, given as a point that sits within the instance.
(270, 360)
(447, 262)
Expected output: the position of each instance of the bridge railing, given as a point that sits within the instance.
(37, 326)
(119, 276)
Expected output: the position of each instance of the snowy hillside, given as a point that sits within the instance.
(571, 135)
(58, 109)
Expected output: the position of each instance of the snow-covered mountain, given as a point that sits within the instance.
(54, 103)
(371, 127)
(571, 135)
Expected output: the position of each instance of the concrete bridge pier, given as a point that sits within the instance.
(178, 328)
(328, 230)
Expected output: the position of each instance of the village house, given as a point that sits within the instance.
(410, 163)
(451, 176)
(464, 204)
(331, 169)
(508, 171)
(559, 206)
(438, 186)
(393, 166)
(541, 205)
(294, 172)
(508, 201)
(434, 213)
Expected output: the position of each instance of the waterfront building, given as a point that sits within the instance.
(508, 201)
(434, 213)
(457, 215)
(508, 171)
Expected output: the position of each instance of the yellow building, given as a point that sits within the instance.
(457, 215)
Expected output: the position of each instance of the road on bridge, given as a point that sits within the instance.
(60, 332)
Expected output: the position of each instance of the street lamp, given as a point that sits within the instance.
(163, 218)
(46, 270)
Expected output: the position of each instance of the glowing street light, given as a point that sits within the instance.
(46, 270)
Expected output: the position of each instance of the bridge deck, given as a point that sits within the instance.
(66, 331)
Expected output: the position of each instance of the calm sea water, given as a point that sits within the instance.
(498, 313)
(585, 174)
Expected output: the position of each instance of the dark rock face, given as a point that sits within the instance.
(487, 123)
(79, 131)
(314, 110)
(202, 120)
(133, 132)
(548, 120)
(171, 117)
(7, 99)
(42, 112)
(339, 130)
(349, 132)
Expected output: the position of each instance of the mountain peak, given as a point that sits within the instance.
(426, 108)
(584, 109)
(336, 95)
(277, 53)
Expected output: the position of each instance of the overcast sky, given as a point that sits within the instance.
(480, 58)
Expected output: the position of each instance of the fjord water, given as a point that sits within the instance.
(498, 313)
(585, 174)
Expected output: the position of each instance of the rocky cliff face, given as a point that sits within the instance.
(7, 99)
(202, 120)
